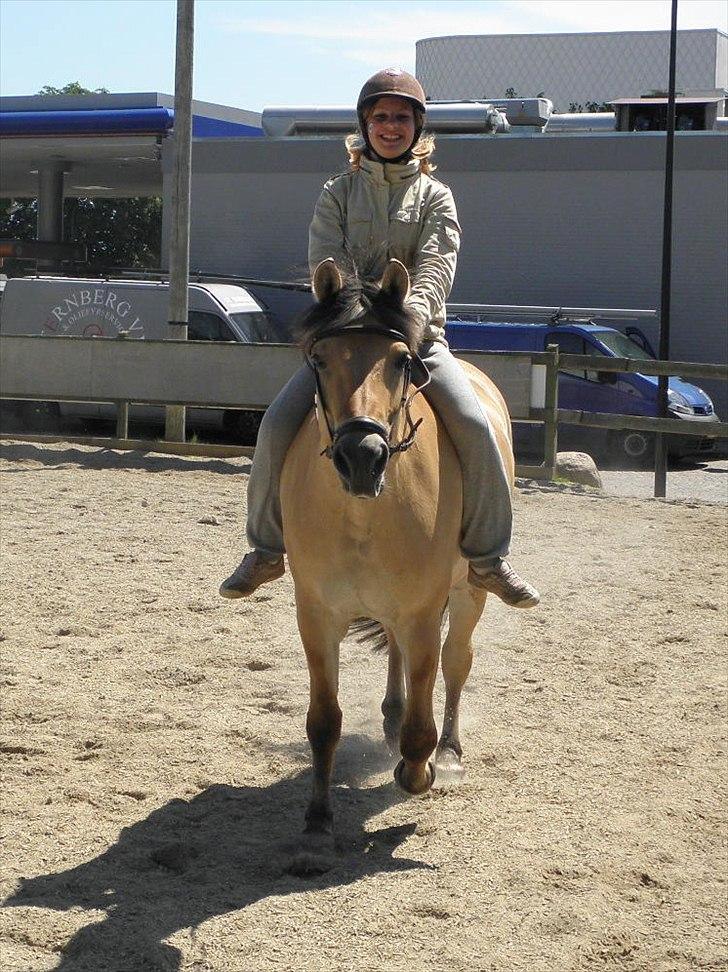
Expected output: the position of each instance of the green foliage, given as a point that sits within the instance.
(512, 93)
(593, 107)
(72, 88)
(117, 232)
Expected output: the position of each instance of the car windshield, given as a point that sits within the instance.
(622, 346)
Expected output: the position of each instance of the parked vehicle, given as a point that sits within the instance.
(592, 390)
(135, 310)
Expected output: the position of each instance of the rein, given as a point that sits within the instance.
(364, 423)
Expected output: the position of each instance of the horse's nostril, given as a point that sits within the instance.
(379, 462)
(341, 463)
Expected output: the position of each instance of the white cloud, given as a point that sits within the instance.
(598, 15)
(388, 32)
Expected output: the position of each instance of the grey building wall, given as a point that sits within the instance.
(573, 220)
(721, 61)
(570, 67)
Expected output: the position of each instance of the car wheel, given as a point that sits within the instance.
(635, 447)
(242, 425)
(41, 417)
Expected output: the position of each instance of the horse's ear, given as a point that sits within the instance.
(327, 279)
(396, 281)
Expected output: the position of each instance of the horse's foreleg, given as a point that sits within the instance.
(393, 704)
(466, 607)
(321, 635)
(421, 649)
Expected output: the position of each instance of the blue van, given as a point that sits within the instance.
(591, 390)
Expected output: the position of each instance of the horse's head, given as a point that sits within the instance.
(361, 341)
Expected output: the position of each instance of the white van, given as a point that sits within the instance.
(87, 307)
(133, 309)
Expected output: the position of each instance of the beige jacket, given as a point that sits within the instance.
(365, 217)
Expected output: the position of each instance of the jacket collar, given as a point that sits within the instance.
(388, 173)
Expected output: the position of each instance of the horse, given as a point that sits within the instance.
(371, 497)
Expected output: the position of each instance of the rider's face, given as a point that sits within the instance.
(391, 126)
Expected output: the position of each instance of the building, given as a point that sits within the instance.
(579, 69)
(550, 215)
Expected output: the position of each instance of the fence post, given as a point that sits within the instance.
(551, 404)
(122, 419)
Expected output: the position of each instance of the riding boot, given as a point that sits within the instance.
(253, 570)
(504, 582)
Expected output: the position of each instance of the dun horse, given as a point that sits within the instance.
(372, 502)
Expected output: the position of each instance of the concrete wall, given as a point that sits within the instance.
(569, 67)
(574, 220)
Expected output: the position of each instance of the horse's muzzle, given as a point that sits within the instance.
(360, 458)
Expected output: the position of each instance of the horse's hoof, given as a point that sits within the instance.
(449, 765)
(415, 789)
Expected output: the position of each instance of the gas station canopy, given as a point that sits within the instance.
(103, 144)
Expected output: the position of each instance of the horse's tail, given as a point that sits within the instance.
(370, 632)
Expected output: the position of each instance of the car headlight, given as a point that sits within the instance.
(677, 404)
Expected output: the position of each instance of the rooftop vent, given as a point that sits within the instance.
(446, 117)
(649, 114)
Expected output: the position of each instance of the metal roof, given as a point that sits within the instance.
(679, 100)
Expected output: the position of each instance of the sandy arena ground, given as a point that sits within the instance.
(156, 766)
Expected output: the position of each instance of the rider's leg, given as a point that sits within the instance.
(278, 429)
(487, 511)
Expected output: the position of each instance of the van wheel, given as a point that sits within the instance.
(242, 425)
(40, 417)
(634, 447)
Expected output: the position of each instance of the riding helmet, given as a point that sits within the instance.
(392, 82)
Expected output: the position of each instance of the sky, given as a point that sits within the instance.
(252, 55)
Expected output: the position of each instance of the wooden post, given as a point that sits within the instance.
(551, 404)
(179, 244)
(122, 419)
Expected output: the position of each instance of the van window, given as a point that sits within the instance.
(208, 327)
(575, 344)
(259, 328)
(624, 347)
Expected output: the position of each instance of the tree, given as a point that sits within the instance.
(72, 88)
(593, 107)
(117, 232)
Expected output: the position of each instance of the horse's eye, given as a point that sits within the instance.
(317, 361)
(402, 361)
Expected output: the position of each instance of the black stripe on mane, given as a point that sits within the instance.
(354, 301)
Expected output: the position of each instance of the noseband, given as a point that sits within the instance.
(364, 423)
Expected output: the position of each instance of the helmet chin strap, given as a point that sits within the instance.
(376, 157)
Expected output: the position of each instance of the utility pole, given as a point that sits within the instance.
(179, 243)
(664, 352)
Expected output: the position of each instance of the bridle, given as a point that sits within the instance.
(364, 423)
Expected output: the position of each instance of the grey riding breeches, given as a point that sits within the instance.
(487, 511)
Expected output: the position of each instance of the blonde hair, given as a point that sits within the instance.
(421, 150)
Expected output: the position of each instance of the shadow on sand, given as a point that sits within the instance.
(100, 457)
(218, 852)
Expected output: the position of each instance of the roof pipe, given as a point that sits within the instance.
(446, 117)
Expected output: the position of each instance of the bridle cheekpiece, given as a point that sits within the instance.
(364, 423)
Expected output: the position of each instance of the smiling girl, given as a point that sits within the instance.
(388, 206)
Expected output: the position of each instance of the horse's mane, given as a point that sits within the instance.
(357, 299)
